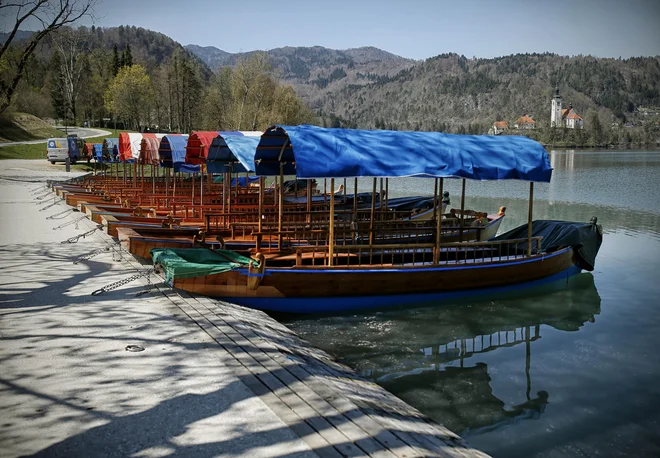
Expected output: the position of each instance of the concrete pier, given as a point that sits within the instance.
(164, 373)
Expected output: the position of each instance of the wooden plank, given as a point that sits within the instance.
(259, 365)
(287, 415)
(297, 384)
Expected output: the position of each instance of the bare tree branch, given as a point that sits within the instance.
(53, 15)
(19, 20)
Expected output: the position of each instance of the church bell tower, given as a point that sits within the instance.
(555, 114)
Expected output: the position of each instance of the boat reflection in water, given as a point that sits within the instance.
(446, 378)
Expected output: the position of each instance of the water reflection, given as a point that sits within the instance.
(434, 357)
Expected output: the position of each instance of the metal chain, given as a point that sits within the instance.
(39, 190)
(75, 238)
(150, 285)
(123, 282)
(55, 202)
(43, 195)
(68, 223)
(61, 213)
(88, 256)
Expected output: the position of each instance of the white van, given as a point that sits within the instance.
(58, 149)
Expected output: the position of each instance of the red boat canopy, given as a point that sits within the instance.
(198, 145)
(149, 149)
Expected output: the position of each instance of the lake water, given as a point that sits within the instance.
(566, 370)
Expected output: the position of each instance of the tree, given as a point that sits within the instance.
(57, 96)
(129, 96)
(116, 64)
(127, 57)
(70, 45)
(246, 75)
(218, 102)
(52, 15)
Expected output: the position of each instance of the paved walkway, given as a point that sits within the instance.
(212, 379)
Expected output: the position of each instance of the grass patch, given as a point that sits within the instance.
(38, 150)
(19, 127)
(35, 151)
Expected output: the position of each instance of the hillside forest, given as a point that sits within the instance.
(132, 78)
(140, 79)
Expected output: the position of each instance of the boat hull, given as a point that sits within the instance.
(328, 290)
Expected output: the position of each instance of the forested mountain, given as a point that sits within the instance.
(370, 88)
(144, 79)
(205, 87)
(317, 71)
(449, 91)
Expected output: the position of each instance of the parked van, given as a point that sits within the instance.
(58, 149)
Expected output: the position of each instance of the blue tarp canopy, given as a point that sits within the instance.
(97, 152)
(232, 152)
(172, 150)
(318, 152)
(186, 168)
(110, 150)
(241, 180)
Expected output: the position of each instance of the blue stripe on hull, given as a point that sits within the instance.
(349, 303)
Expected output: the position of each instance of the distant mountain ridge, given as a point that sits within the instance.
(315, 71)
(371, 88)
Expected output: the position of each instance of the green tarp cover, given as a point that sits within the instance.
(196, 262)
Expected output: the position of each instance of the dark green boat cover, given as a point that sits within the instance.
(197, 262)
(585, 238)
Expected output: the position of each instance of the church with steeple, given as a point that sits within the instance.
(566, 117)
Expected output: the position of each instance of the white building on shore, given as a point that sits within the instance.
(566, 117)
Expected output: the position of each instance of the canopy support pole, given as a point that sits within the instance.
(460, 238)
(309, 201)
(438, 228)
(280, 213)
(529, 218)
(373, 211)
(201, 187)
(229, 188)
(380, 201)
(355, 191)
(331, 247)
(435, 199)
(262, 183)
(387, 194)
(224, 192)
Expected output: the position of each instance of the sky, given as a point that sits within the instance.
(416, 29)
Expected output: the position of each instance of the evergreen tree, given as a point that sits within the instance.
(127, 57)
(116, 64)
(57, 95)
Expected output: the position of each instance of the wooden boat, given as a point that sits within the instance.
(339, 276)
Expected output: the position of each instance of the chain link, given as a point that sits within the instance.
(40, 197)
(38, 189)
(68, 223)
(75, 238)
(61, 213)
(123, 282)
(88, 256)
(55, 202)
